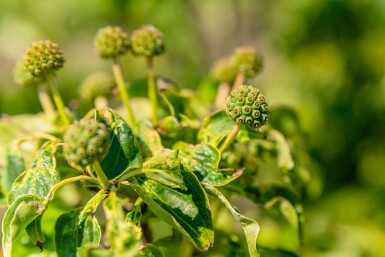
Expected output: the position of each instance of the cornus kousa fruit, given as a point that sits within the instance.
(247, 105)
(43, 57)
(147, 41)
(111, 42)
(96, 84)
(85, 142)
(223, 71)
(247, 61)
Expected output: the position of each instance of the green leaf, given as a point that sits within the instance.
(284, 158)
(250, 227)
(203, 160)
(149, 139)
(268, 195)
(165, 167)
(124, 237)
(124, 153)
(78, 230)
(35, 232)
(95, 252)
(187, 211)
(19, 214)
(217, 126)
(135, 215)
(150, 251)
(14, 167)
(39, 178)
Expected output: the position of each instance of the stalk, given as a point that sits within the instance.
(117, 70)
(45, 101)
(57, 99)
(223, 92)
(67, 181)
(100, 174)
(238, 80)
(152, 90)
(230, 137)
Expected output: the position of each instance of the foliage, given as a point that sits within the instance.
(175, 170)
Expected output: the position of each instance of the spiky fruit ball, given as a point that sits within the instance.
(147, 41)
(111, 42)
(43, 57)
(248, 106)
(96, 84)
(85, 142)
(248, 61)
(223, 71)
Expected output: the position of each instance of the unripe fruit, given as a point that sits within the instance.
(111, 42)
(147, 41)
(223, 71)
(248, 61)
(248, 106)
(85, 142)
(43, 57)
(96, 84)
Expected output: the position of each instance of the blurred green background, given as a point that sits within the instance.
(324, 59)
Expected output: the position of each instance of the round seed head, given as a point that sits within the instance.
(223, 71)
(147, 41)
(247, 61)
(111, 42)
(86, 141)
(43, 57)
(248, 106)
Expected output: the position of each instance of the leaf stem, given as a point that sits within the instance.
(136, 172)
(117, 70)
(230, 137)
(238, 81)
(152, 90)
(46, 102)
(101, 175)
(57, 99)
(67, 181)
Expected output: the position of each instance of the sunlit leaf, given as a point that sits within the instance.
(149, 139)
(78, 230)
(217, 126)
(187, 211)
(124, 237)
(203, 160)
(165, 168)
(19, 214)
(250, 227)
(14, 167)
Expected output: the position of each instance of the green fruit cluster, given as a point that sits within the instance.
(248, 61)
(85, 142)
(96, 84)
(248, 106)
(223, 71)
(111, 42)
(43, 57)
(147, 41)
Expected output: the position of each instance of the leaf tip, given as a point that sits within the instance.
(40, 245)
